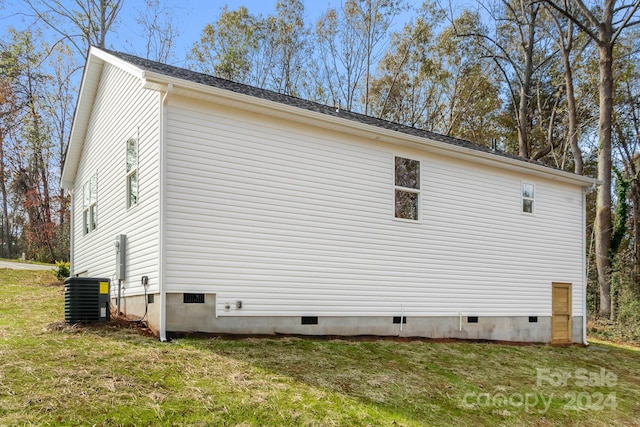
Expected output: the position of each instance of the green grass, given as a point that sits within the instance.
(52, 374)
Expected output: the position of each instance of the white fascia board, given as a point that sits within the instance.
(213, 94)
(81, 116)
(120, 63)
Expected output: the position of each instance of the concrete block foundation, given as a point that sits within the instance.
(200, 317)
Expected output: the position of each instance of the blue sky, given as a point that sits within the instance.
(193, 15)
(189, 16)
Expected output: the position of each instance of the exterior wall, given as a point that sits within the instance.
(122, 110)
(138, 307)
(500, 328)
(294, 220)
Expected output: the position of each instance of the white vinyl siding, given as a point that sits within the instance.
(121, 108)
(294, 220)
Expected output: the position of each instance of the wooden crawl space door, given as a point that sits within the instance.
(561, 312)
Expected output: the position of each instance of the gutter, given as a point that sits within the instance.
(161, 212)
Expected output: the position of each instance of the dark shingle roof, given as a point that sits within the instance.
(208, 80)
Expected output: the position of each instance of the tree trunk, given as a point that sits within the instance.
(571, 103)
(635, 191)
(525, 87)
(603, 200)
(6, 235)
(103, 24)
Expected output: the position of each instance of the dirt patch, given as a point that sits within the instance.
(53, 285)
(352, 338)
(114, 324)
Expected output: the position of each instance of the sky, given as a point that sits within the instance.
(190, 17)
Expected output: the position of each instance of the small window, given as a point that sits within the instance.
(528, 197)
(132, 172)
(89, 205)
(407, 188)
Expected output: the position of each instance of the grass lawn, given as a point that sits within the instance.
(110, 376)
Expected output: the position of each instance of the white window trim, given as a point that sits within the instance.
(395, 187)
(133, 171)
(523, 198)
(90, 211)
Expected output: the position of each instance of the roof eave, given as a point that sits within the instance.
(82, 114)
(158, 81)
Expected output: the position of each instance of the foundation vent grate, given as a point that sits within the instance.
(193, 298)
(309, 320)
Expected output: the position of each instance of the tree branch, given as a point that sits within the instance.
(626, 23)
(573, 18)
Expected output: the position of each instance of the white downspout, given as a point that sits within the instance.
(161, 214)
(584, 268)
(585, 274)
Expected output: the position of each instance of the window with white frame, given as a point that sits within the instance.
(89, 204)
(528, 197)
(407, 188)
(132, 172)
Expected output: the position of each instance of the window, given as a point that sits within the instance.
(89, 205)
(132, 172)
(528, 197)
(407, 188)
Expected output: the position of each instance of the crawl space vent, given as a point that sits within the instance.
(309, 320)
(193, 298)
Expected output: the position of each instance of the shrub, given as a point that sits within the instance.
(62, 270)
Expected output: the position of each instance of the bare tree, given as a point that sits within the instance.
(349, 41)
(82, 23)
(409, 85)
(603, 23)
(565, 37)
(159, 32)
(9, 107)
(520, 54)
(626, 127)
(59, 101)
(287, 37)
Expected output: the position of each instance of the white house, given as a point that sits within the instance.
(250, 212)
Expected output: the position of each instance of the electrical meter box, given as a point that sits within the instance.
(121, 256)
(86, 300)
